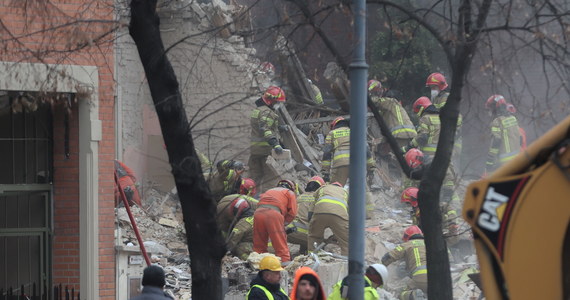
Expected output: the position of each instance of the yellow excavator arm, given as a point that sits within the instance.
(520, 217)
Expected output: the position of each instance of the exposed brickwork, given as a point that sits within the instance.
(47, 47)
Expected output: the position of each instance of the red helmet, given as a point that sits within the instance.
(288, 184)
(239, 205)
(414, 158)
(267, 67)
(335, 121)
(498, 100)
(247, 187)
(273, 94)
(374, 86)
(410, 231)
(410, 195)
(318, 179)
(337, 184)
(421, 104)
(511, 108)
(436, 79)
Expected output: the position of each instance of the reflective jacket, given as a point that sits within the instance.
(428, 132)
(505, 141)
(396, 117)
(307, 271)
(440, 99)
(241, 233)
(337, 149)
(224, 209)
(304, 203)
(370, 292)
(224, 183)
(263, 290)
(414, 253)
(331, 199)
(264, 130)
(282, 200)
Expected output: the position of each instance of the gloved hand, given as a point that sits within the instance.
(278, 149)
(326, 177)
(283, 128)
(289, 230)
(405, 149)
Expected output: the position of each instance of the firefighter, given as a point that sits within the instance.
(429, 127)
(298, 230)
(265, 286)
(127, 182)
(505, 136)
(240, 240)
(374, 277)
(224, 214)
(336, 153)
(318, 95)
(413, 251)
(226, 179)
(265, 136)
(513, 110)
(276, 207)
(393, 113)
(410, 196)
(330, 210)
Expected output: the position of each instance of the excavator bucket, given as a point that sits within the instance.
(520, 218)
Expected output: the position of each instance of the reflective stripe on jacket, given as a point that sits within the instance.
(338, 150)
(414, 253)
(396, 117)
(505, 141)
(428, 133)
(331, 199)
(264, 123)
(268, 294)
(283, 199)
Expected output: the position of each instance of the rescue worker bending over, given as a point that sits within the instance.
(276, 207)
(226, 179)
(298, 230)
(374, 277)
(505, 136)
(265, 286)
(265, 136)
(224, 210)
(330, 211)
(410, 196)
(127, 182)
(413, 251)
(336, 153)
(240, 240)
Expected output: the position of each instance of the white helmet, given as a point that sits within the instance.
(382, 270)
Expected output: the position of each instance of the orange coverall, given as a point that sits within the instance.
(127, 182)
(276, 207)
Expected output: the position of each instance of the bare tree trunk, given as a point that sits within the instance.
(205, 242)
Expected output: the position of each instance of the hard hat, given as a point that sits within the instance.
(239, 205)
(410, 231)
(382, 270)
(336, 121)
(272, 95)
(511, 108)
(374, 86)
(317, 179)
(337, 184)
(410, 195)
(288, 184)
(495, 101)
(270, 263)
(247, 187)
(421, 104)
(436, 79)
(267, 67)
(414, 158)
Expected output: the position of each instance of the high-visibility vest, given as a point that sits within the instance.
(266, 291)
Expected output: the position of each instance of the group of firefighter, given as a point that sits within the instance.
(285, 212)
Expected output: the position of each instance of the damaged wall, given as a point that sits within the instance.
(217, 82)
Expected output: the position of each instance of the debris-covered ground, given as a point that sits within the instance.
(161, 226)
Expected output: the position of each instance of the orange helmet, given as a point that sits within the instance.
(335, 121)
(247, 187)
(421, 104)
(511, 108)
(410, 195)
(497, 100)
(374, 86)
(318, 179)
(410, 231)
(436, 79)
(288, 184)
(414, 158)
(273, 94)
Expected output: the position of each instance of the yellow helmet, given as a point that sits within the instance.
(270, 263)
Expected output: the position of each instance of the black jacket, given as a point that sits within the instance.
(152, 293)
(256, 293)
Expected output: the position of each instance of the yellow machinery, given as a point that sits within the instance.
(520, 217)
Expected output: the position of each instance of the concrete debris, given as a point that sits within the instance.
(168, 222)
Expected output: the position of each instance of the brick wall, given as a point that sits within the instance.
(37, 41)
